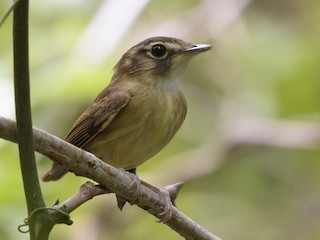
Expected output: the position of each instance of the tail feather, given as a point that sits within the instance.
(54, 173)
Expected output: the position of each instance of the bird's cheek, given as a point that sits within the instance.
(145, 65)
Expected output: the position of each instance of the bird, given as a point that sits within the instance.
(141, 109)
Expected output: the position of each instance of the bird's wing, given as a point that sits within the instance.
(97, 117)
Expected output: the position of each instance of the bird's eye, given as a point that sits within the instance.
(158, 50)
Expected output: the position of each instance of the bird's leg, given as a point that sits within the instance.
(164, 196)
(136, 182)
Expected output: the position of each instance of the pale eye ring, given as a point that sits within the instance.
(158, 50)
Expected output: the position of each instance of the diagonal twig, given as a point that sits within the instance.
(8, 12)
(89, 190)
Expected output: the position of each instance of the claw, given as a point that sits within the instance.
(166, 214)
(164, 196)
(136, 182)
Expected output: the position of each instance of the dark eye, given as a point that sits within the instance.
(158, 50)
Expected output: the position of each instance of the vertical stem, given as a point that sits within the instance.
(23, 112)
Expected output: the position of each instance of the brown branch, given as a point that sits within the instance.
(86, 164)
(283, 133)
(89, 190)
(86, 192)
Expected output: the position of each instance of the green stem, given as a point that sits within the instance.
(23, 114)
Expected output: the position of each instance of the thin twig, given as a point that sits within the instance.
(8, 12)
(89, 190)
(86, 192)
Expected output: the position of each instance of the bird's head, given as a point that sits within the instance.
(157, 59)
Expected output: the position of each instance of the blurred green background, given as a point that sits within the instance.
(249, 149)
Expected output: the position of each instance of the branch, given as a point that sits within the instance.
(283, 133)
(86, 164)
(88, 191)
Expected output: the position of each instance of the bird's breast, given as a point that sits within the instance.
(141, 129)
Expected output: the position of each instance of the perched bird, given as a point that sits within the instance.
(141, 109)
(139, 112)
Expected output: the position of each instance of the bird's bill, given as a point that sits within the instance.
(198, 48)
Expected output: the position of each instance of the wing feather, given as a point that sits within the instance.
(97, 117)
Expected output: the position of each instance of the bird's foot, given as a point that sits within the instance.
(164, 196)
(166, 214)
(135, 184)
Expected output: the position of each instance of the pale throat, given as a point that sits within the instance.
(170, 81)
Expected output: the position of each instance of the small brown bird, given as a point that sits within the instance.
(140, 111)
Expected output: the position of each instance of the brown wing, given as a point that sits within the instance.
(97, 117)
(94, 120)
